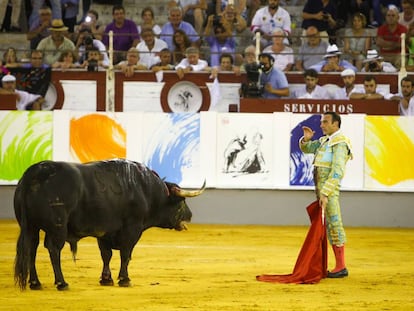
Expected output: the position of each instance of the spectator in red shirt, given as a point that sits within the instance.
(389, 37)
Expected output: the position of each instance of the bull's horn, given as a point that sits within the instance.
(188, 193)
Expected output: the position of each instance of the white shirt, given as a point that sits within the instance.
(282, 59)
(341, 93)
(25, 99)
(385, 66)
(202, 64)
(150, 58)
(156, 29)
(403, 22)
(410, 110)
(267, 23)
(318, 93)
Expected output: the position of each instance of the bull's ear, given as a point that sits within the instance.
(186, 193)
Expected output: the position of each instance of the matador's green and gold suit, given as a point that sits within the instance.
(331, 154)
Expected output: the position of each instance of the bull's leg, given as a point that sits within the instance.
(54, 245)
(34, 243)
(106, 254)
(123, 277)
(127, 245)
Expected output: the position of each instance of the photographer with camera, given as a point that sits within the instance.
(92, 24)
(87, 42)
(93, 60)
(272, 80)
(375, 63)
(219, 39)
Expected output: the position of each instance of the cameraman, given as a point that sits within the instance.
(375, 63)
(86, 42)
(272, 80)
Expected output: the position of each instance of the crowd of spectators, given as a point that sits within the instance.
(220, 35)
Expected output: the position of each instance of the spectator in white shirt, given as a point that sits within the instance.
(191, 63)
(282, 54)
(348, 76)
(150, 47)
(267, 19)
(406, 97)
(370, 90)
(311, 89)
(24, 100)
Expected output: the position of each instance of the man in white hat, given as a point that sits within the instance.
(332, 61)
(24, 100)
(375, 63)
(53, 45)
(348, 76)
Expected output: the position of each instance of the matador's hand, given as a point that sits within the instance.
(323, 201)
(307, 133)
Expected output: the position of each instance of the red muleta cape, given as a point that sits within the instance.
(311, 265)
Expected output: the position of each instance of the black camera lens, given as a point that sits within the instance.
(372, 66)
(88, 40)
(217, 20)
(93, 65)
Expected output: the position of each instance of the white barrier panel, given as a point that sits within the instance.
(79, 95)
(228, 150)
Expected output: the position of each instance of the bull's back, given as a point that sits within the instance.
(48, 189)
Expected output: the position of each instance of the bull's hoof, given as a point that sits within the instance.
(35, 285)
(106, 282)
(124, 282)
(62, 286)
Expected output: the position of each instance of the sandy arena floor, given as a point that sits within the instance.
(213, 267)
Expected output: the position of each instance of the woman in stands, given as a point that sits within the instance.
(10, 58)
(357, 41)
(67, 60)
(181, 43)
(148, 21)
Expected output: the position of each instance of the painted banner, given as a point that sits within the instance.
(228, 150)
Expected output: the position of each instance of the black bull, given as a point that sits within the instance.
(114, 201)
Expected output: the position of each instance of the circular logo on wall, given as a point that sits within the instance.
(185, 96)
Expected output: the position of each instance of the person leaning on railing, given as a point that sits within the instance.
(406, 97)
(24, 100)
(370, 90)
(131, 64)
(191, 63)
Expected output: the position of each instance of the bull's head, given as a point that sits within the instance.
(182, 214)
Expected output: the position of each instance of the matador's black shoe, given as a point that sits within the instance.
(337, 275)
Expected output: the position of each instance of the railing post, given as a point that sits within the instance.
(403, 71)
(110, 77)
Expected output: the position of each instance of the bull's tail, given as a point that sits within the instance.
(21, 263)
(73, 249)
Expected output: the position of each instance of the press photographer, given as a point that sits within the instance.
(86, 42)
(375, 63)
